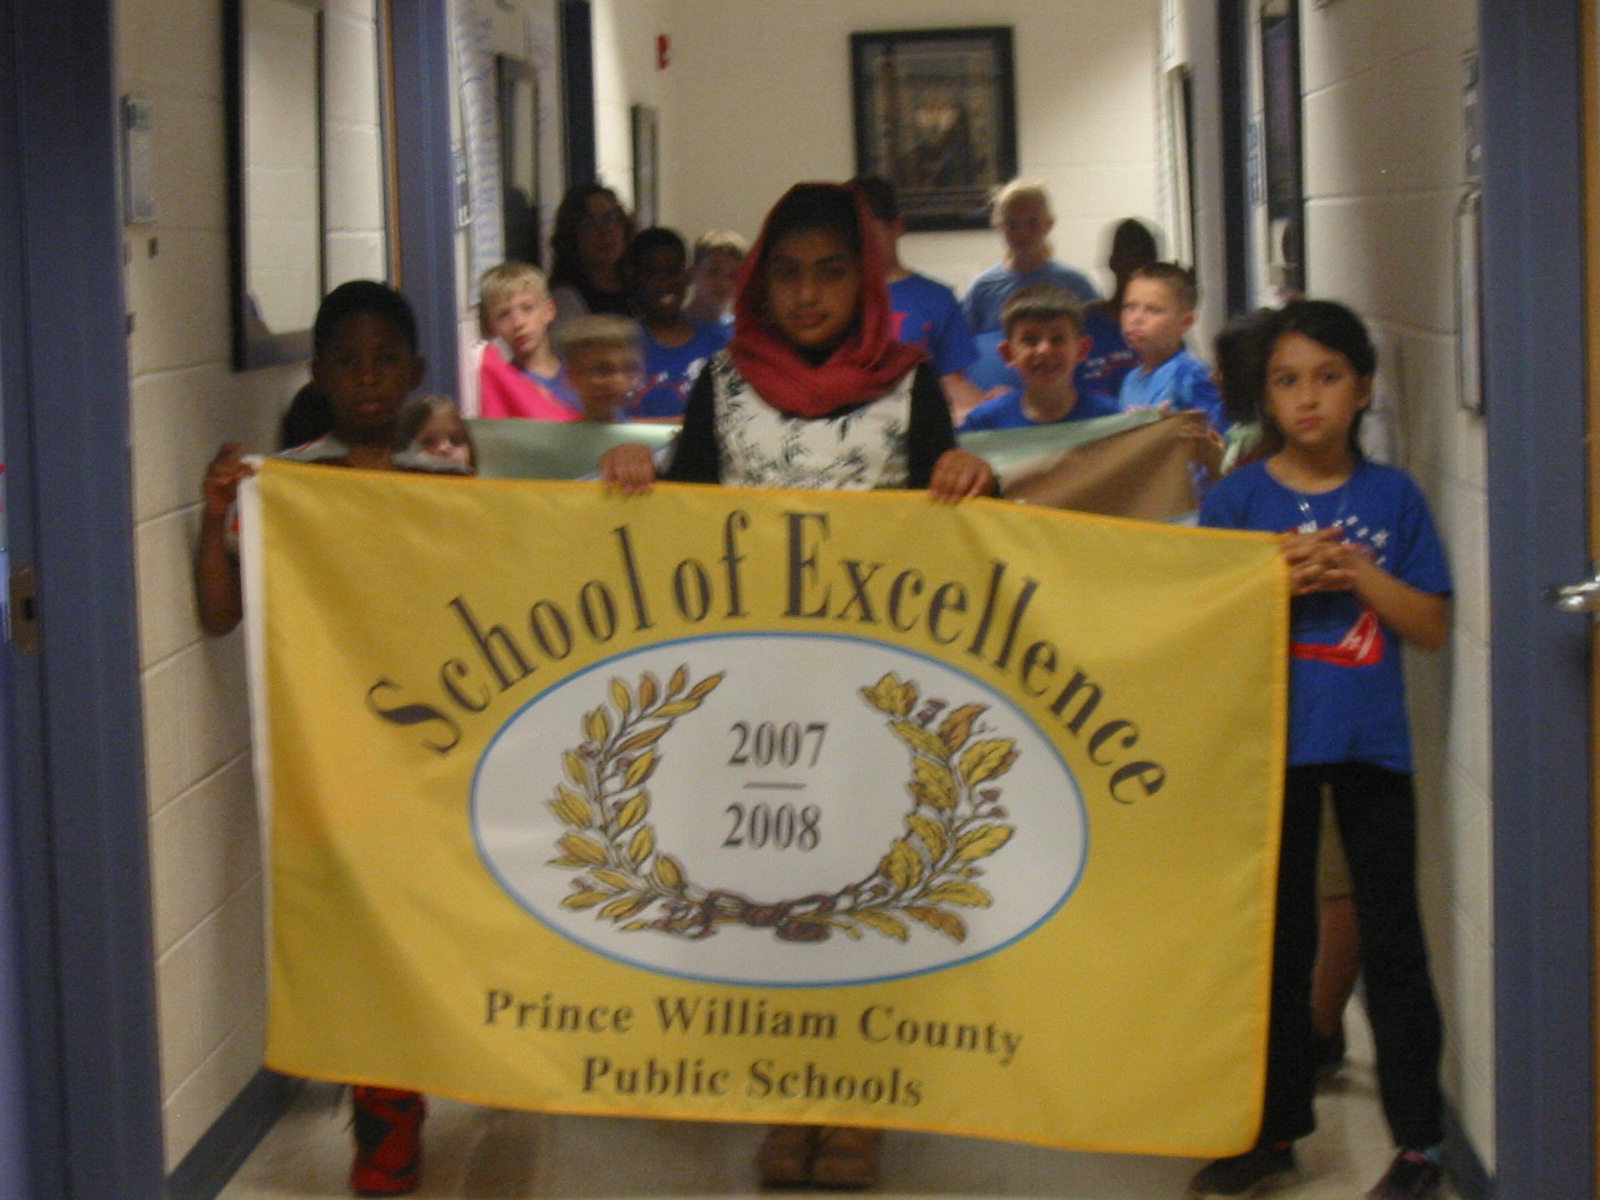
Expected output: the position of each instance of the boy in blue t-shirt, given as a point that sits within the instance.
(675, 347)
(926, 312)
(1044, 342)
(1157, 311)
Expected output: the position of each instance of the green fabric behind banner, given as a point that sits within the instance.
(515, 449)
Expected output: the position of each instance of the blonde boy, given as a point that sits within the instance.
(1157, 312)
(718, 254)
(1045, 344)
(521, 374)
(604, 362)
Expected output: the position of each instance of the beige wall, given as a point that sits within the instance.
(760, 99)
(625, 74)
(185, 400)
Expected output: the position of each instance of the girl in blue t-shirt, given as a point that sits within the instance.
(1367, 572)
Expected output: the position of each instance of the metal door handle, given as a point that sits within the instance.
(1576, 597)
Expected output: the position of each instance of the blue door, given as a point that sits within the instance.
(79, 1083)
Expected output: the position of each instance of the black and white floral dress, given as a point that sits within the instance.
(732, 436)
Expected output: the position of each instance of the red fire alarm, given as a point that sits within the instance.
(663, 51)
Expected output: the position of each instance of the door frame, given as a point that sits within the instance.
(90, 1078)
(1535, 381)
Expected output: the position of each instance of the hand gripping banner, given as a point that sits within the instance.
(773, 806)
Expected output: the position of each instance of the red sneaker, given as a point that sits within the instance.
(388, 1129)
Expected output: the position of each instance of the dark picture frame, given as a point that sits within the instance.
(1283, 142)
(936, 114)
(276, 203)
(646, 166)
(517, 98)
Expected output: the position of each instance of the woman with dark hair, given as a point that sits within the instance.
(587, 246)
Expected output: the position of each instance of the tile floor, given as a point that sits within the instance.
(488, 1154)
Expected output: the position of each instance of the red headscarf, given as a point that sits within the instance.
(866, 364)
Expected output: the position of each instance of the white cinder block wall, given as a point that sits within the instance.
(1384, 175)
(186, 399)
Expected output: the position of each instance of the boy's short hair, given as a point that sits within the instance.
(1042, 302)
(880, 196)
(719, 241)
(362, 296)
(1178, 280)
(501, 282)
(1017, 189)
(654, 238)
(595, 329)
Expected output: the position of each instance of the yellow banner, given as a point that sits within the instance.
(748, 805)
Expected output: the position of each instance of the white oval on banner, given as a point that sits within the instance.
(767, 824)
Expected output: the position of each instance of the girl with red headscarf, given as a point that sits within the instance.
(813, 391)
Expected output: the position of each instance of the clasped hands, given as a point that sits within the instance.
(1323, 561)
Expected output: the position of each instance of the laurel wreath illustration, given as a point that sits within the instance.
(927, 875)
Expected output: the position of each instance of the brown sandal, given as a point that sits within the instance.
(784, 1159)
(846, 1157)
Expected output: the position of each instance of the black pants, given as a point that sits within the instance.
(1377, 816)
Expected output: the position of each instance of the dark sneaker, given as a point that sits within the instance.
(784, 1159)
(1252, 1174)
(388, 1129)
(1411, 1176)
(847, 1158)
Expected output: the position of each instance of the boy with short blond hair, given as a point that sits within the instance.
(605, 362)
(1044, 343)
(521, 375)
(714, 273)
(1157, 311)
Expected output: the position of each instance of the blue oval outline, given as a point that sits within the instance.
(1082, 812)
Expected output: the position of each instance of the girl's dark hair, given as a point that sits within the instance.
(809, 206)
(308, 417)
(652, 239)
(1239, 353)
(362, 296)
(1132, 237)
(566, 268)
(1330, 324)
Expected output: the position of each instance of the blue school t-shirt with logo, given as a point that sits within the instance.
(1005, 412)
(1183, 383)
(927, 314)
(670, 371)
(1346, 689)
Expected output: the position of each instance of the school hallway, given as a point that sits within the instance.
(476, 1153)
(1434, 155)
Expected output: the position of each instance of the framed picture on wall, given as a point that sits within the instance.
(646, 178)
(936, 114)
(517, 88)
